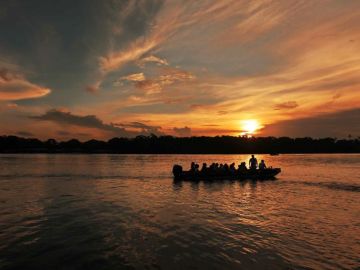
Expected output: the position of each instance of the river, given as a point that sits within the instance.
(62, 211)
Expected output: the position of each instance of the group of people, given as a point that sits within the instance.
(225, 168)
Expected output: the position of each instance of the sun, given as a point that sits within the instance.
(249, 127)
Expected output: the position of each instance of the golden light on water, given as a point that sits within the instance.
(249, 127)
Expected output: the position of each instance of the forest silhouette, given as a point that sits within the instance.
(182, 145)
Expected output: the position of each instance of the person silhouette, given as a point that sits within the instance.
(192, 166)
(204, 168)
(242, 167)
(253, 163)
(262, 165)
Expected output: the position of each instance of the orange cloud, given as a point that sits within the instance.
(182, 132)
(168, 76)
(149, 86)
(91, 89)
(286, 105)
(115, 60)
(151, 59)
(301, 57)
(172, 18)
(14, 87)
(136, 77)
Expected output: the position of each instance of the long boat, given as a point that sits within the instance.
(264, 174)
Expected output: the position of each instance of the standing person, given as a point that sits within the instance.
(253, 163)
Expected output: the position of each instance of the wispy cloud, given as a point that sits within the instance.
(167, 76)
(116, 60)
(136, 77)
(190, 63)
(286, 105)
(13, 86)
(151, 59)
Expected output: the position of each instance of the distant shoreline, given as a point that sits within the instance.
(182, 145)
(164, 154)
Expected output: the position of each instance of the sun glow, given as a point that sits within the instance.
(249, 127)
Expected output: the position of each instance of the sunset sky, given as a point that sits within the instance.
(99, 69)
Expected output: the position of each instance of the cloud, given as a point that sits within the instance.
(88, 121)
(337, 96)
(139, 80)
(171, 19)
(167, 76)
(222, 112)
(338, 124)
(286, 105)
(137, 34)
(146, 129)
(259, 18)
(216, 131)
(175, 100)
(155, 108)
(151, 59)
(6, 75)
(19, 89)
(170, 75)
(182, 132)
(25, 133)
(12, 106)
(210, 125)
(14, 86)
(91, 121)
(92, 89)
(136, 77)
(63, 133)
(149, 86)
(68, 134)
(116, 60)
(265, 60)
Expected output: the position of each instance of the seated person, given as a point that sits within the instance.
(197, 167)
(212, 169)
(262, 165)
(242, 167)
(220, 169)
(232, 167)
(204, 168)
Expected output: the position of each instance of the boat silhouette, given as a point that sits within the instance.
(264, 174)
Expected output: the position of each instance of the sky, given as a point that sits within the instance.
(100, 69)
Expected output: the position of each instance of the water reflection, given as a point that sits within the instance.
(177, 185)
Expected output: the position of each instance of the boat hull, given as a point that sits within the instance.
(266, 174)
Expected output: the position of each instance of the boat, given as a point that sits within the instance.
(264, 174)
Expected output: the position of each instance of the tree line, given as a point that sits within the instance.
(182, 145)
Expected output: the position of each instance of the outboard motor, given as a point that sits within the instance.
(177, 170)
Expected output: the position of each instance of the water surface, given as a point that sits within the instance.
(125, 212)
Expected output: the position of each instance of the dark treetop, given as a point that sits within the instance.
(186, 145)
